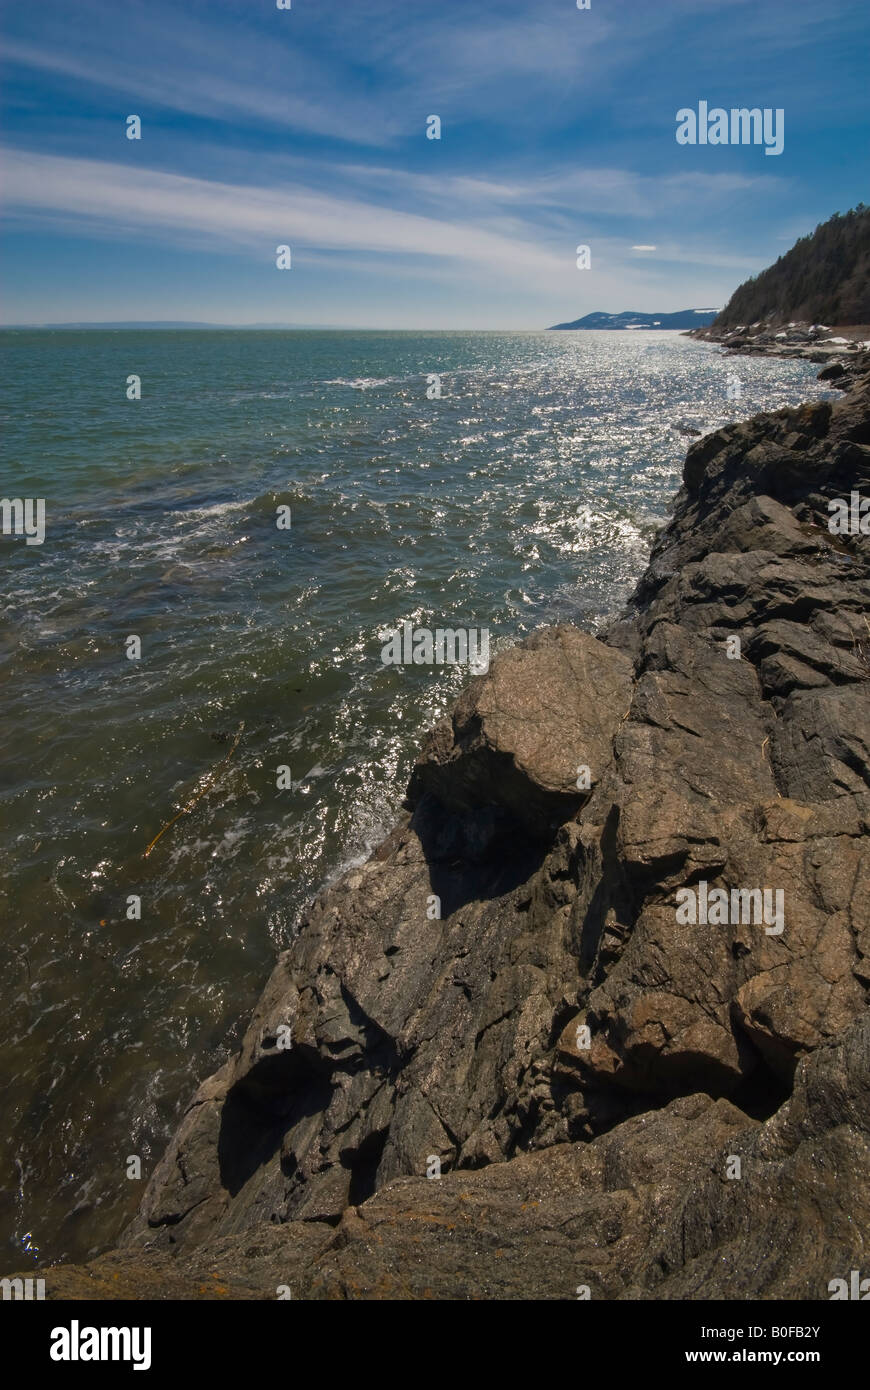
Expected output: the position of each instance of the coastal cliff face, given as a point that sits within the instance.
(618, 1096)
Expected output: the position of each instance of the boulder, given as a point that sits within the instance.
(520, 736)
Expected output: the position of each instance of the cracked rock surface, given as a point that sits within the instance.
(586, 1070)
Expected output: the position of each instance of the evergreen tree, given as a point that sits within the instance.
(824, 278)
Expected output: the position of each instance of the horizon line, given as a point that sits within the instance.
(181, 325)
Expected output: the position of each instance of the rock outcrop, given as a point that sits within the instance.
(843, 352)
(695, 1200)
(511, 993)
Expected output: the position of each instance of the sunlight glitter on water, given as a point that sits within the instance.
(528, 493)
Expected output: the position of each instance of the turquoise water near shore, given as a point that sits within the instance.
(528, 493)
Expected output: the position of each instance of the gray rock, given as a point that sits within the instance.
(520, 735)
(695, 1200)
(419, 1039)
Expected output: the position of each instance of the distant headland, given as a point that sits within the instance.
(629, 318)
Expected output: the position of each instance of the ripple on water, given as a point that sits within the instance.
(528, 493)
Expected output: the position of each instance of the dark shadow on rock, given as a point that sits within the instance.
(363, 1165)
(475, 855)
(259, 1110)
(761, 1093)
(612, 895)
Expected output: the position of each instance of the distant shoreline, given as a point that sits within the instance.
(158, 327)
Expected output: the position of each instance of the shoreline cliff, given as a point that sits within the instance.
(504, 994)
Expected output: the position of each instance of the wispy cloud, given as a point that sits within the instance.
(120, 197)
(179, 66)
(577, 192)
(113, 198)
(308, 127)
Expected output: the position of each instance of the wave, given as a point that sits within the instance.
(366, 383)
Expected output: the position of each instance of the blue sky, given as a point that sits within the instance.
(307, 127)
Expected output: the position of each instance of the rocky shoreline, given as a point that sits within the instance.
(616, 1100)
(842, 351)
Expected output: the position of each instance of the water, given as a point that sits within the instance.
(528, 493)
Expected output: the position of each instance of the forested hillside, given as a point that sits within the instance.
(824, 278)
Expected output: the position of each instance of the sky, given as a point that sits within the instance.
(307, 127)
